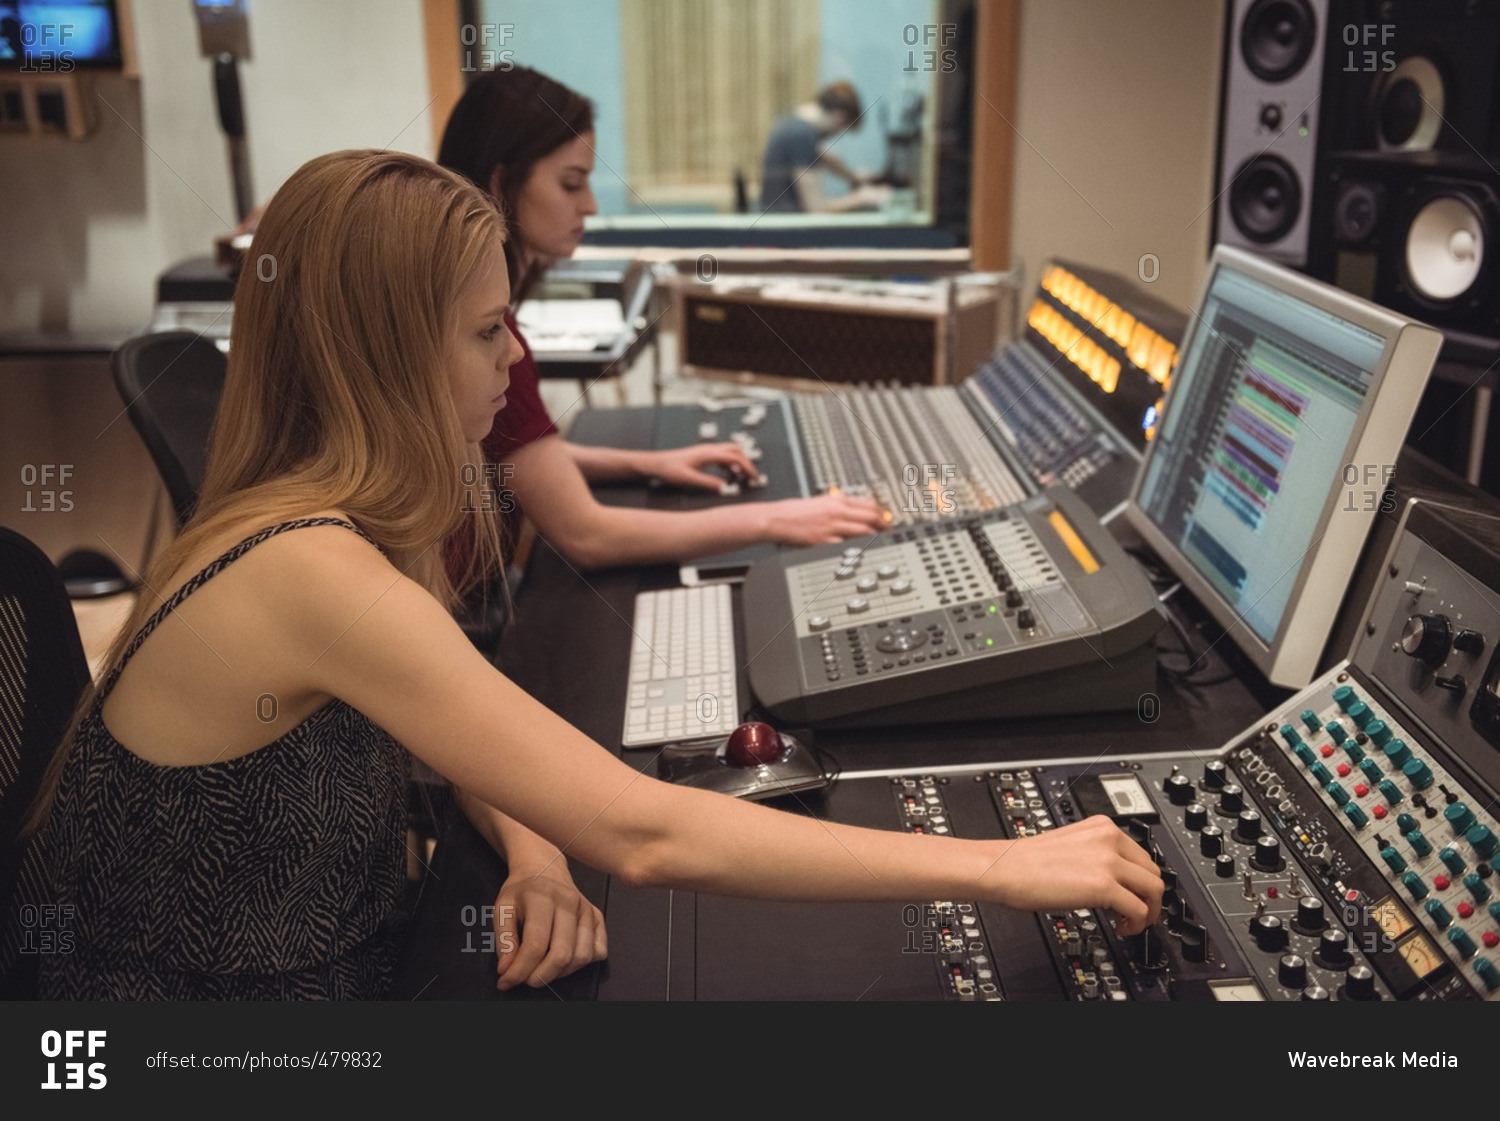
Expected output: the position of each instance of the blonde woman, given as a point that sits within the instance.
(227, 816)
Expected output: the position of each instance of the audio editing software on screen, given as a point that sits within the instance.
(1273, 389)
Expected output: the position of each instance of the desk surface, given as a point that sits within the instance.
(569, 647)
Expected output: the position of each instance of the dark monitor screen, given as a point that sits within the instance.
(1283, 386)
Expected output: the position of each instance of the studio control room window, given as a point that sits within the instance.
(773, 122)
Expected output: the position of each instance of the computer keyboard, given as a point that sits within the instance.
(682, 673)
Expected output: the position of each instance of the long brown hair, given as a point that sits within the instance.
(510, 119)
(337, 394)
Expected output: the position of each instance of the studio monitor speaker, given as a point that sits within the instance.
(1269, 126)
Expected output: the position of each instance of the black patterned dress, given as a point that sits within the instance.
(277, 875)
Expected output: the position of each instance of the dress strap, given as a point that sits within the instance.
(228, 557)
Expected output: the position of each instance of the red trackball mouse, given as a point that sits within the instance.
(753, 745)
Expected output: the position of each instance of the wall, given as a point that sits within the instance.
(1117, 109)
(88, 225)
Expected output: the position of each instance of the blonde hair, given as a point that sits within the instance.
(337, 393)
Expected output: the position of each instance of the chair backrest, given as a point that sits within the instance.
(171, 383)
(43, 673)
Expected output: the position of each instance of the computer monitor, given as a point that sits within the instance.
(1279, 430)
(53, 37)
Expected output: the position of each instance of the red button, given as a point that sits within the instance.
(1343, 769)
(1326, 750)
(1361, 789)
(1491, 939)
(1378, 811)
(1440, 882)
(1465, 910)
(1271, 893)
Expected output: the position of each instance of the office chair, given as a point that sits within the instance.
(43, 673)
(171, 382)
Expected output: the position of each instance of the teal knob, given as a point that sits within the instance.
(1414, 884)
(1305, 753)
(1488, 973)
(1462, 943)
(1371, 769)
(1393, 858)
(1460, 817)
(1336, 730)
(1420, 844)
(1391, 792)
(1418, 773)
(1337, 792)
(1396, 753)
(1477, 887)
(1310, 718)
(1378, 732)
(1482, 839)
(1455, 862)
(1360, 713)
(1406, 823)
(1495, 911)
(1320, 774)
(1355, 752)
(1438, 913)
(1289, 734)
(1344, 696)
(1356, 815)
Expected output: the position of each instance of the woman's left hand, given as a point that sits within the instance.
(545, 928)
(683, 467)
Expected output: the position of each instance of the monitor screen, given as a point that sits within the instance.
(1284, 391)
(46, 36)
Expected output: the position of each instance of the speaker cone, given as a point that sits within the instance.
(1357, 214)
(1445, 246)
(1408, 106)
(1265, 198)
(1276, 38)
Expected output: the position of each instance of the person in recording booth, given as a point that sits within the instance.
(529, 142)
(226, 818)
(799, 147)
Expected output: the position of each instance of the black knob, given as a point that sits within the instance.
(1270, 933)
(1195, 817)
(1025, 618)
(1179, 789)
(1171, 906)
(1146, 949)
(1333, 949)
(1469, 642)
(1310, 918)
(1194, 942)
(1211, 841)
(1231, 800)
(1314, 992)
(1427, 638)
(1270, 115)
(1224, 866)
(1215, 775)
(1359, 984)
(1013, 598)
(1267, 855)
(1454, 683)
(1291, 971)
(1247, 827)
